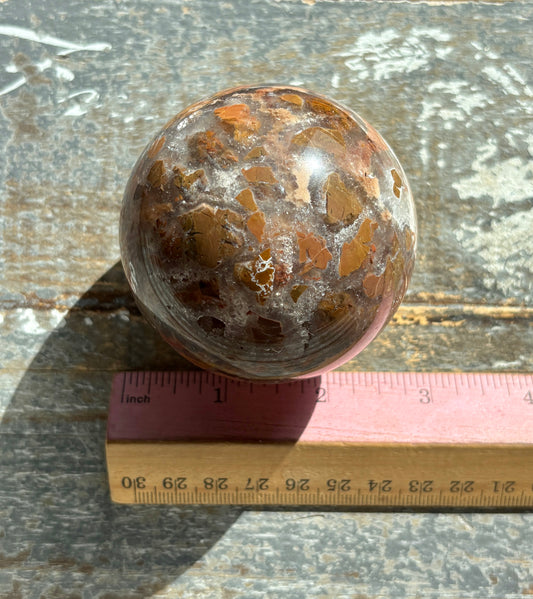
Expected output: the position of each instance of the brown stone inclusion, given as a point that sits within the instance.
(268, 233)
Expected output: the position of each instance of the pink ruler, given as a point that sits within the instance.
(351, 407)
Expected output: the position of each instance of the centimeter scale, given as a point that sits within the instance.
(363, 439)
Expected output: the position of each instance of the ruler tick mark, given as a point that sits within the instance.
(123, 388)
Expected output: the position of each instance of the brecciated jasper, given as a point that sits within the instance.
(268, 233)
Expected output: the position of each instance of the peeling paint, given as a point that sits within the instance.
(383, 54)
(507, 81)
(33, 322)
(25, 33)
(505, 181)
(505, 250)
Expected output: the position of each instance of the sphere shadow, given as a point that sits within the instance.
(53, 465)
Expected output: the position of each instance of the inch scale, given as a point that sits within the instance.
(362, 439)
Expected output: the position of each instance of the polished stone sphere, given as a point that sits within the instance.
(268, 233)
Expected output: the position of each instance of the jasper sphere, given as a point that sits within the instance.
(268, 233)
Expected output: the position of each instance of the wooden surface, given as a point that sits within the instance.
(83, 86)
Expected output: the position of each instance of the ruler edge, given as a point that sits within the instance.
(518, 450)
(329, 374)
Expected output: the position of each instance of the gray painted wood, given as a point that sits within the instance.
(83, 86)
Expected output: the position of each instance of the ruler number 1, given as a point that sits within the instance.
(219, 396)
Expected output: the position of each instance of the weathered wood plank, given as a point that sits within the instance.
(453, 102)
(419, 338)
(83, 86)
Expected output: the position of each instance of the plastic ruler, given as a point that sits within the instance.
(364, 439)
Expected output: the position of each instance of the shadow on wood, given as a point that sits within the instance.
(53, 463)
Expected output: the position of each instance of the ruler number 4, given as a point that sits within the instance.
(528, 397)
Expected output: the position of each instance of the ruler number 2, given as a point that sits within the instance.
(321, 395)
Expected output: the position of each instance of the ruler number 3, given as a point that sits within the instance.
(424, 396)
